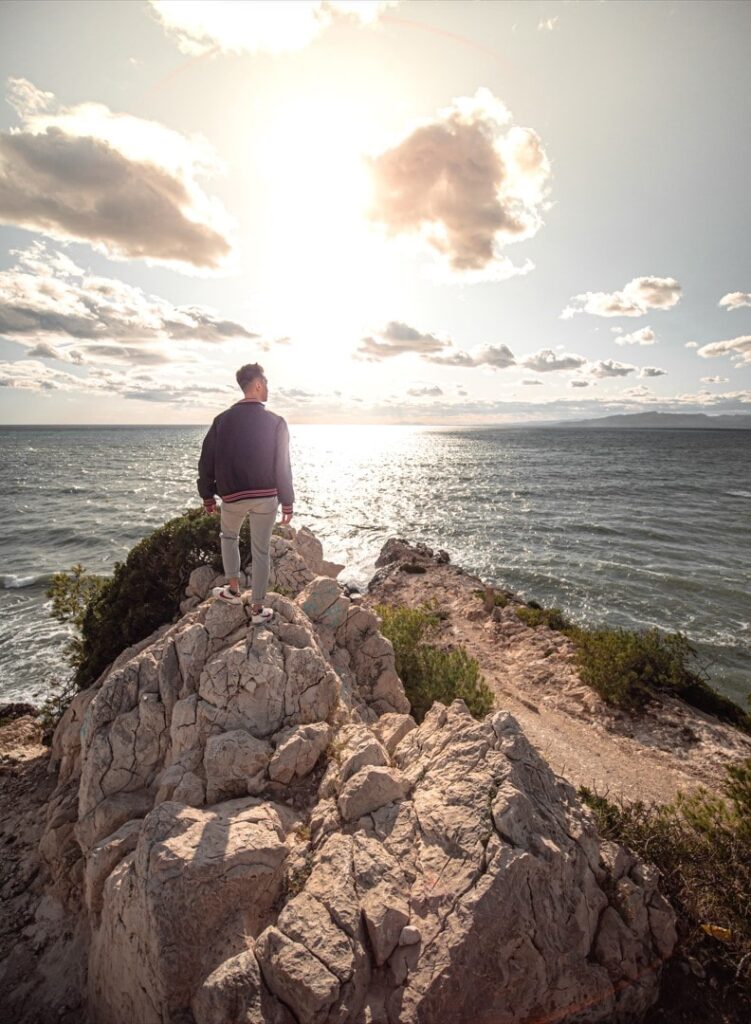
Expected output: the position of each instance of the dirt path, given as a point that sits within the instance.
(650, 757)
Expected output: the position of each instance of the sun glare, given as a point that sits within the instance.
(318, 190)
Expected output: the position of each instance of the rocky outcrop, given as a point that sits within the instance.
(252, 828)
(652, 754)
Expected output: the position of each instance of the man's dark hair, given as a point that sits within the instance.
(248, 373)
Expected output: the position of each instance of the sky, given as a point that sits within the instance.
(407, 211)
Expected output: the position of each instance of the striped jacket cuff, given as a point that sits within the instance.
(287, 509)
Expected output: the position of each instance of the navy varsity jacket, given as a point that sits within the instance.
(246, 455)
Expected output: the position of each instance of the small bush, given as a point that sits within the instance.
(535, 616)
(428, 672)
(499, 598)
(628, 667)
(144, 592)
(701, 844)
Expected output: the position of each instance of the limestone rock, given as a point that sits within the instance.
(297, 750)
(369, 789)
(104, 858)
(200, 582)
(421, 857)
(323, 602)
(299, 979)
(311, 550)
(230, 993)
(391, 729)
(235, 763)
(25, 731)
(288, 571)
(181, 904)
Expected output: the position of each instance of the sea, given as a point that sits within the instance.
(633, 528)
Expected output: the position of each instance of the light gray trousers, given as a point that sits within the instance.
(262, 513)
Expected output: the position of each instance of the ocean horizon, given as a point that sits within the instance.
(622, 527)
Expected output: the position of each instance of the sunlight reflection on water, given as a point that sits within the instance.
(623, 527)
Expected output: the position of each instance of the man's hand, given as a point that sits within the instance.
(286, 518)
(209, 506)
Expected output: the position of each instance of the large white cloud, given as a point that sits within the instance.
(635, 299)
(735, 300)
(736, 348)
(125, 185)
(258, 26)
(468, 183)
(62, 312)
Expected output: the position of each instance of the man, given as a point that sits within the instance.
(245, 459)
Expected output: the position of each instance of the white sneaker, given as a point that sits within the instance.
(227, 595)
(265, 615)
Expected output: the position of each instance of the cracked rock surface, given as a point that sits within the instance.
(249, 826)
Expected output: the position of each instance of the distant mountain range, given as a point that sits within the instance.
(737, 421)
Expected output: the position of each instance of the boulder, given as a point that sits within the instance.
(235, 764)
(181, 904)
(309, 547)
(323, 602)
(200, 582)
(369, 789)
(297, 750)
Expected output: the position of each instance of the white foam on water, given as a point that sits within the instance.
(12, 582)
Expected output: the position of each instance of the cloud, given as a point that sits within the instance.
(397, 339)
(188, 391)
(547, 24)
(644, 336)
(31, 375)
(467, 183)
(692, 344)
(427, 391)
(125, 185)
(578, 383)
(50, 304)
(734, 300)
(736, 348)
(714, 380)
(635, 299)
(546, 360)
(652, 371)
(496, 356)
(610, 368)
(639, 391)
(531, 382)
(239, 26)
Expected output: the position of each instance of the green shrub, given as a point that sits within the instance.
(535, 616)
(499, 598)
(143, 593)
(71, 593)
(701, 844)
(428, 672)
(628, 667)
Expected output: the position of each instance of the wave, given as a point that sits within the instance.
(739, 494)
(11, 581)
